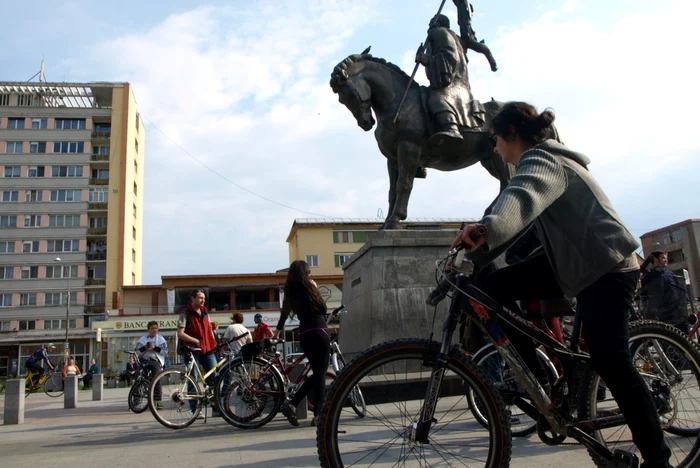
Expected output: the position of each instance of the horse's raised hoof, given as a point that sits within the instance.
(421, 173)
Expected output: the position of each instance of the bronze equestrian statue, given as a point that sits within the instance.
(440, 127)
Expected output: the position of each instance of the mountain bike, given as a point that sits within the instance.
(138, 395)
(51, 381)
(418, 413)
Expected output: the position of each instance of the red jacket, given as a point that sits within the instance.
(198, 326)
(262, 331)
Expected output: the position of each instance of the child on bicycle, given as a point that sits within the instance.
(153, 348)
(588, 253)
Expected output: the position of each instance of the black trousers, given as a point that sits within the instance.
(154, 366)
(604, 308)
(316, 344)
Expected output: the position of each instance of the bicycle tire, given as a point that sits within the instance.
(356, 398)
(224, 392)
(138, 396)
(177, 401)
(56, 384)
(588, 404)
(479, 359)
(381, 357)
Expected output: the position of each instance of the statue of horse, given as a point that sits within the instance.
(365, 84)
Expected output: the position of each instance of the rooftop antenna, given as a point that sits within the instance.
(380, 214)
(40, 73)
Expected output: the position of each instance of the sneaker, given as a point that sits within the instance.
(314, 421)
(159, 405)
(290, 412)
(200, 415)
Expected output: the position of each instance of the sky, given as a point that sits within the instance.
(235, 99)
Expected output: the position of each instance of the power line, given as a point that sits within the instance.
(229, 180)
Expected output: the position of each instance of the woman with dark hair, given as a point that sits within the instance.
(588, 253)
(303, 299)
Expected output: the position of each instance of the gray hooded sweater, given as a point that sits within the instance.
(582, 235)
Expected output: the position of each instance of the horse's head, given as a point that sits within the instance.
(353, 91)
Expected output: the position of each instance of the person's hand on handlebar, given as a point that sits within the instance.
(471, 237)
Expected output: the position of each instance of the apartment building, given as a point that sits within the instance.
(71, 201)
(681, 241)
(327, 243)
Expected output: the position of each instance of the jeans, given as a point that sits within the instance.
(604, 308)
(316, 344)
(154, 366)
(208, 362)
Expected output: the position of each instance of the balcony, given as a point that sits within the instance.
(97, 206)
(101, 135)
(95, 282)
(99, 181)
(97, 231)
(94, 309)
(99, 157)
(155, 310)
(96, 256)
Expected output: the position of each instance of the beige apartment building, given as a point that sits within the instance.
(71, 211)
(327, 243)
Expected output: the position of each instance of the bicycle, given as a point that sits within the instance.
(179, 388)
(138, 395)
(413, 402)
(49, 381)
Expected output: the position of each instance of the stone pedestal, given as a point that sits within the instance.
(97, 387)
(70, 395)
(385, 285)
(14, 402)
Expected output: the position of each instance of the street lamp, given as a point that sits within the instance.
(65, 345)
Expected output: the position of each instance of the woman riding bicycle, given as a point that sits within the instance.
(302, 297)
(587, 253)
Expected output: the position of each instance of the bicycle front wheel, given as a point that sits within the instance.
(393, 377)
(670, 365)
(53, 386)
(174, 399)
(138, 396)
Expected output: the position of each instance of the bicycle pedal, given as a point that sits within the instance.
(624, 459)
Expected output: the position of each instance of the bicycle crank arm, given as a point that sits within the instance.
(616, 459)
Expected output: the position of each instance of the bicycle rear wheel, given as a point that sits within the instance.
(393, 377)
(356, 398)
(138, 396)
(249, 392)
(178, 391)
(53, 386)
(665, 358)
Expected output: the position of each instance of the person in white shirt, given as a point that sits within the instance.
(238, 333)
(153, 349)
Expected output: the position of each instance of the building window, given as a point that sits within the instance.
(68, 147)
(32, 221)
(102, 174)
(33, 196)
(312, 260)
(341, 258)
(66, 195)
(27, 299)
(136, 191)
(97, 272)
(59, 324)
(5, 300)
(40, 124)
(64, 221)
(30, 272)
(62, 271)
(70, 124)
(51, 324)
(27, 324)
(134, 210)
(36, 171)
(136, 145)
(349, 237)
(4, 99)
(14, 147)
(30, 246)
(7, 272)
(15, 123)
(136, 167)
(133, 255)
(66, 171)
(59, 298)
(671, 237)
(133, 232)
(98, 223)
(7, 247)
(138, 120)
(10, 196)
(37, 147)
(63, 245)
(97, 195)
(133, 278)
(8, 221)
(5, 326)
(12, 171)
(100, 150)
(95, 299)
(103, 127)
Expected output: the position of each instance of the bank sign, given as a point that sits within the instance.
(143, 324)
(170, 323)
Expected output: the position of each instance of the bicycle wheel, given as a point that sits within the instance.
(394, 377)
(138, 396)
(249, 392)
(670, 365)
(356, 398)
(496, 368)
(53, 386)
(178, 391)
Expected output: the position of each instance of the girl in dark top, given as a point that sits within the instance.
(303, 299)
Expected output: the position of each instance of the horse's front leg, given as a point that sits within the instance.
(392, 166)
(407, 158)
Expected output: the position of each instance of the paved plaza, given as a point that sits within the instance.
(106, 433)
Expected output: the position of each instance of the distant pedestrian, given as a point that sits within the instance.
(262, 330)
(87, 378)
(236, 335)
(666, 298)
